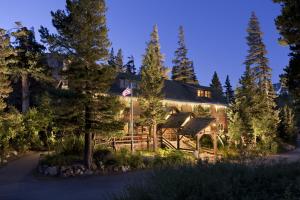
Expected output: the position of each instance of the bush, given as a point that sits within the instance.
(103, 157)
(70, 145)
(220, 181)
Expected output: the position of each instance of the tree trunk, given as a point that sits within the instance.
(154, 137)
(25, 92)
(88, 137)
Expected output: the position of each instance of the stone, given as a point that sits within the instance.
(15, 153)
(52, 171)
(89, 172)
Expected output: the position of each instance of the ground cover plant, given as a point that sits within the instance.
(220, 181)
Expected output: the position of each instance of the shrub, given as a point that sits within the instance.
(220, 181)
(70, 145)
(103, 157)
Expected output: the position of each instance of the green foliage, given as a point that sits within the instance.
(183, 69)
(70, 145)
(216, 85)
(11, 125)
(287, 126)
(229, 93)
(82, 39)
(5, 52)
(220, 181)
(289, 27)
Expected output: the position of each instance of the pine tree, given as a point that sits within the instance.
(216, 86)
(243, 108)
(112, 58)
(183, 69)
(288, 24)
(287, 127)
(229, 93)
(151, 85)
(119, 60)
(130, 66)
(266, 120)
(28, 61)
(5, 52)
(82, 38)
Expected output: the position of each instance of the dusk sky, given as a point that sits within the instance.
(215, 30)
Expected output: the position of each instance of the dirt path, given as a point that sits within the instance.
(290, 156)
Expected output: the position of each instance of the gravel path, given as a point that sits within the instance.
(18, 183)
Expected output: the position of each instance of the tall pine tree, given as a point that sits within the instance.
(28, 61)
(266, 120)
(216, 86)
(151, 85)
(82, 38)
(229, 93)
(183, 69)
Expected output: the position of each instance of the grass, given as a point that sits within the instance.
(220, 181)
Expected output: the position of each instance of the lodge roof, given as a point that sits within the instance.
(172, 90)
(195, 125)
(176, 120)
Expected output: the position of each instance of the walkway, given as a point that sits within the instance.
(290, 156)
(18, 183)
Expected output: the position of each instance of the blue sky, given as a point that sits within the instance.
(215, 30)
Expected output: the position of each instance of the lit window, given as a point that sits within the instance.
(201, 93)
(208, 94)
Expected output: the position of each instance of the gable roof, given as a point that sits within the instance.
(195, 125)
(176, 120)
(172, 90)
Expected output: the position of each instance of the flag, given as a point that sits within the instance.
(126, 92)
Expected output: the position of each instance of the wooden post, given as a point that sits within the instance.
(178, 141)
(198, 143)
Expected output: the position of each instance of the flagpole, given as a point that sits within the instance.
(131, 116)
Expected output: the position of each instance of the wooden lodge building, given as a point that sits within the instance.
(183, 127)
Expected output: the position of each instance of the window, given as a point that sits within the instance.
(204, 93)
(207, 94)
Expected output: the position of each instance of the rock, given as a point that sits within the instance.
(52, 171)
(15, 153)
(89, 172)
(7, 156)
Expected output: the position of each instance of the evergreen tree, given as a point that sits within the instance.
(266, 119)
(28, 61)
(151, 86)
(229, 93)
(119, 60)
(82, 38)
(130, 66)
(256, 57)
(112, 58)
(216, 86)
(5, 52)
(287, 128)
(242, 109)
(183, 69)
(288, 24)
